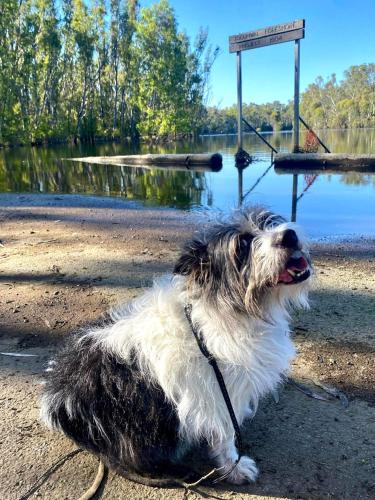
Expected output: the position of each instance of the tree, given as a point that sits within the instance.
(129, 112)
(47, 54)
(10, 111)
(82, 26)
(348, 104)
(97, 67)
(172, 79)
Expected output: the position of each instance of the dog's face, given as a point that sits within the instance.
(246, 263)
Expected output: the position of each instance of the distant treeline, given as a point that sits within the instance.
(78, 69)
(325, 104)
(263, 117)
(91, 69)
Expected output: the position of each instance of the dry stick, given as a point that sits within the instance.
(203, 478)
(333, 391)
(308, 392)
(96, 484)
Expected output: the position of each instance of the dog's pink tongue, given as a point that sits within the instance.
(285, 277)
(298, 265)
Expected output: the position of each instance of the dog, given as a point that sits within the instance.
(139, 393)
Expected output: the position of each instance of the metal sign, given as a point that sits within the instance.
(279, 33)
(270, 30)
(267, 40)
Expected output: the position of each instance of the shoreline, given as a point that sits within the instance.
(197, 213)
(159, 140)
(150, 140)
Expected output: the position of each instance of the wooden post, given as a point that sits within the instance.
(296, 95)
(240, 185)
(239, 102)
(294, 198)
(296, 125)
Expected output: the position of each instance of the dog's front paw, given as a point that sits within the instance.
(245, 472)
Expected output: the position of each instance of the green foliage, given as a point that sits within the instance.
(348, 104)
(263, 117)
(173, 79)
(97, 68)
(324, 104)
(79, 69)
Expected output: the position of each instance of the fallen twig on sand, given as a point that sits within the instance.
(19, 354)
(332, 391)
(308, 392)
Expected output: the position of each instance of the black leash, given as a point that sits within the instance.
(219, 377)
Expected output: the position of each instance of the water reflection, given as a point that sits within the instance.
(295, 197)
(42, 170)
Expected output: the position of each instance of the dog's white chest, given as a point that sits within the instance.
(265, 358)
(252, 356)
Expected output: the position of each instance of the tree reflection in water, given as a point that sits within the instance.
(42, 169)
(43, 174)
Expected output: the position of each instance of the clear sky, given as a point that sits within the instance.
(338, 34)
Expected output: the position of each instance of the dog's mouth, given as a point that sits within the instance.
(297, 269)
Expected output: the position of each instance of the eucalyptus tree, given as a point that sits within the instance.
(68, 80)
(115, 22)
(79, 69)
(359, 93)
(346, 104)
(161, 53)
(129, 75)
(172, 78)
(84, 37)
(47, 55)
(199, 64)
(103, 86)
(10, 114)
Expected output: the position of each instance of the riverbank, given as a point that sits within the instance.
(133, 142)
(64, 260)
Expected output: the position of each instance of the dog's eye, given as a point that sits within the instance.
(243, 249)
(244, 243)
(245, 240)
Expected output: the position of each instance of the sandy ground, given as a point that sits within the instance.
(64, 260)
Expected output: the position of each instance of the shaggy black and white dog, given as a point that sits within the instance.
(138, 392)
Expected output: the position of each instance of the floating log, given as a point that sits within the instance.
(311, 163)
(208, 161)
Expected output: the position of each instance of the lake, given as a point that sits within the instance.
(329, 206)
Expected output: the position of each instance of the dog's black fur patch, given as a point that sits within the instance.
(113, 410)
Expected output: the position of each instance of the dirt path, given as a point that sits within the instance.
(65, 259)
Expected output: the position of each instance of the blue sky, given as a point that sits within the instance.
(338, 34)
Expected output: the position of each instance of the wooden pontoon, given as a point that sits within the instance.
(324, 163)
(209, 161)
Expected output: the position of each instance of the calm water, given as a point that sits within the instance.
(333, 205)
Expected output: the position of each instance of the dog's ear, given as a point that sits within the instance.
(193, 262)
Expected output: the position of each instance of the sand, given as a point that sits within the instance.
(64, 260)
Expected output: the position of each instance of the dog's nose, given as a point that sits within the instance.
(287, 239)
